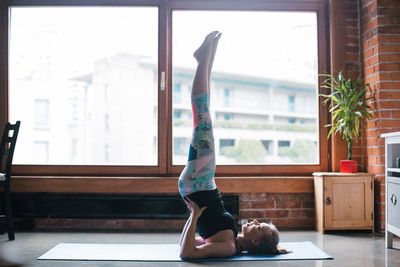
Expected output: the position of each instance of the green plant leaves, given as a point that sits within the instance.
(348, 107)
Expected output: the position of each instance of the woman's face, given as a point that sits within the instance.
(255, 230)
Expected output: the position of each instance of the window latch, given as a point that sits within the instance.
(162, 82)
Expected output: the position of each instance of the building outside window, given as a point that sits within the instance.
(177, 94)
(291, 103)
(41, 151)
(41, 113)
(108, 78)
(227, 97)
(240, 80)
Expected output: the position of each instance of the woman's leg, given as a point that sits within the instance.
(198, 174)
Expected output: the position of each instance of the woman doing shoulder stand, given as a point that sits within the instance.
(219, 236)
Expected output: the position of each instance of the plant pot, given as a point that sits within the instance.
(348, 166)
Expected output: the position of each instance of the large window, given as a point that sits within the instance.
(104, 88)
(265, 61)
(88, 76)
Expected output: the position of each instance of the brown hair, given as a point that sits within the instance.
(268, 244)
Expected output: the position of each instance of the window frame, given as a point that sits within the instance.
(319, 7)
(165, 168)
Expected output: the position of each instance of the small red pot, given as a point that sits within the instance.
(348, 166)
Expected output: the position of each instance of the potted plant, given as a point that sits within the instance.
(348, 107)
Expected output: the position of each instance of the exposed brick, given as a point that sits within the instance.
(395, 58)
(368, 43)
(389, 48)
(394, 94)
(244, 205)
(376, 169)
(389, 66)
(370, 52)
(390, 104)
(352, 40)
(262, 205)
(308, 204)
(295, 223)
(253, 196)
(394, 39)
(301, 213)
(251, 214)
(289, 204)
(276, 213)
(390, 123)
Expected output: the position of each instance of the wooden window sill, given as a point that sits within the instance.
(68, 184)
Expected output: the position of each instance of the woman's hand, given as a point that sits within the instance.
(195, 210)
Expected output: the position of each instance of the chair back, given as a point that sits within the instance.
(7, 146)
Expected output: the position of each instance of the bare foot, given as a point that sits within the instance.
(206, 47)
(214, 50)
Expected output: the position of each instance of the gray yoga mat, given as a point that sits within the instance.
(168, 252)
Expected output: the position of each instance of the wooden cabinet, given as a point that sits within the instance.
(344, 201)
(392, 185)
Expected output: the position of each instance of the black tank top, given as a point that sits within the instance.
(215, 218)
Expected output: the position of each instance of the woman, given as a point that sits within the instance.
(217, 228)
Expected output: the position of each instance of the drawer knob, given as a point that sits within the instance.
(328, 201)
(393, 199)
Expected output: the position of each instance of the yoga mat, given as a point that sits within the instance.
(168, 252)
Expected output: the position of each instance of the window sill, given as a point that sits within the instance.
(67, 184)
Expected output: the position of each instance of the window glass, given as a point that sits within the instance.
(266, 62)
(41, 113)
(88, 75)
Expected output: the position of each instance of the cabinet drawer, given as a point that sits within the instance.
(393, 200)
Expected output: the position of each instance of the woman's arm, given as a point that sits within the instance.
(189, 250)
(198, 240)
(188, 241)
(189, 247)
(184, 231)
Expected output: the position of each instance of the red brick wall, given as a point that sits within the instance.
(380, 46)
(352, 59)
(287, 211)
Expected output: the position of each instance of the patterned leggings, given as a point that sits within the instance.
(198, 174)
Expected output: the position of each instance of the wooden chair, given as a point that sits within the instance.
(7, 147)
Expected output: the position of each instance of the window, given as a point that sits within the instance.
(227, 116)
(227, 97)
(291, 103)
(226, 143)
(41, 113)
(177, 114)
(74, 150)
(103, 66)
(268, 145)
(41, 151)
(256, 59)
(177, 93)
(181, 145)
(88, 87)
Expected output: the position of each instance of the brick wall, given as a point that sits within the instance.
(380, 46)
(372, 51)
(352, 59)
(286, 210)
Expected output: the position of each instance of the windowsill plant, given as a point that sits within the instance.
(348, 107)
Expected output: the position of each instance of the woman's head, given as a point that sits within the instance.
(260, 237)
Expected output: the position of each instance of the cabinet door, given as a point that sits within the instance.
(348, 202)
(393, 199)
